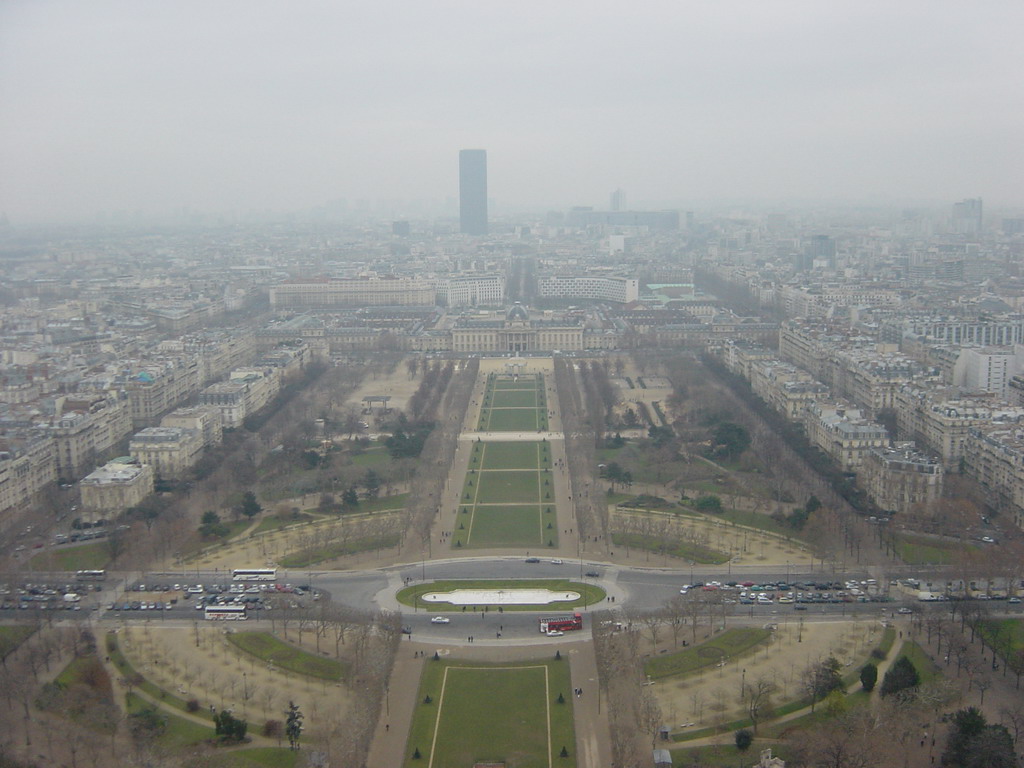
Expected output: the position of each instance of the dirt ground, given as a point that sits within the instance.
(200, 663)
(712, 696)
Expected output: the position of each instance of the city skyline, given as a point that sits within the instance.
(115, 107)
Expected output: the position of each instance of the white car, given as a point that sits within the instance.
(555, 633)
(440, 620)
(556, 562)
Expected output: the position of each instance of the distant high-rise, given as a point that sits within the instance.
(967, 216)
(618, 200)
(473, 191)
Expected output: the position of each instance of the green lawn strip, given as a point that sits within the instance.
(13, 635)
(260, 757)
(819, 717)
(282, 655)
(927, 669)
(338, 549)
(125, 668)
(269, 524)
(493, 713)
(509, 487)
(589, 593)
(72, 673)
(513, 420)
(515, 398)
(672, 547)
(513, 455)
(178, 731)
(75, 557)
(372, 457)
(1007, 635)
(730, 644)
(506, 526)
(917, 550)
(383, 503)
(886, 643)
(724, 755)
(755, 520)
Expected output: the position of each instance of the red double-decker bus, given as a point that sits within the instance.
(561, 623)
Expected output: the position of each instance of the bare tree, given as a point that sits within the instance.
(758, 696)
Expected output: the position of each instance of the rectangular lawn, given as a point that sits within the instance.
(506, 714)
(512, 420)
(515, 398)
(515, 456)
(508, 487)
(508, 526)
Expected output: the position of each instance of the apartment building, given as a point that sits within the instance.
(87, 426)
(160, 387)
(594, 288)
(472, 290)
(901, 479)
(994, 457)
(841, 431)
(205, 419)
(116, 486)
(27, 465)
(327, 293)
(171, 451)
(939, 421)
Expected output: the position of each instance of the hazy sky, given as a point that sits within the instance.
(221, 105)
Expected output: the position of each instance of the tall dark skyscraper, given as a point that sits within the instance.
(473, 191)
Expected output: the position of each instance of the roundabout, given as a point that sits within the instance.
(500, 597)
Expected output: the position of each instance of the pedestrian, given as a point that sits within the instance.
(387, 727)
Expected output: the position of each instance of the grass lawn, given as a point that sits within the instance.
(886, 643)
(179, 731)
(517, 455)
(723, 755)
(338, 549)
(725, 645)
(672, 547)
(480, 713)
(395, 501)
(590, 594)
(511, 420)
(916, 550)
(507, 487)
(13, 635)
(265, 646)
(514, 398)
(259, 757)
(372, 457)
(926, 668)
(72, 558)
(755, 520)
(275, 523)
(505, 526)
(1005, 634)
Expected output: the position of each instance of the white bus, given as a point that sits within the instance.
(90, 575)
(254, 574)
(225, 613)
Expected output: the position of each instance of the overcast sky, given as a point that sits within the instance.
(220, 105)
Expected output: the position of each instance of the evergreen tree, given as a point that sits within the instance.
(902, 676)
(293, 725)
(869, 676)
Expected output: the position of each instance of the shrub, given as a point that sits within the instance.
(869, 676)
(272, 729)
(192, 705)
